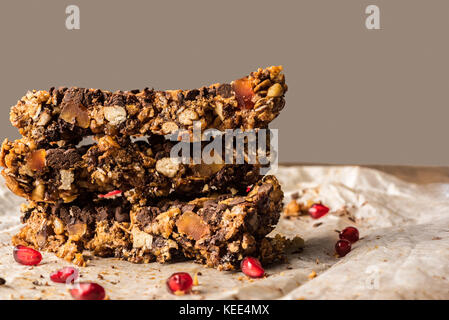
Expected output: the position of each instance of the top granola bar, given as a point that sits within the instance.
(71, 113)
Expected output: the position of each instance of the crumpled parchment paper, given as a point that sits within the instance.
(403, 252)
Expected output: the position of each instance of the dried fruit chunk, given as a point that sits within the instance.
(27, 256)
(252, 267)
(243, 93)
(180, 283)
(64, 275)
(192, 225)
(36, 160)
(88, 291)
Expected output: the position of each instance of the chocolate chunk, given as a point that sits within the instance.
(102, 213)
(147, 214)
(121, 215)
(62, 159)
(192, 94)
(225, 90)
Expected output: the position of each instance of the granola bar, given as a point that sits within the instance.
(218, 231)
(140, 169)
(72, 113)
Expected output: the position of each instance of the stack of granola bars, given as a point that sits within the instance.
(124, 195)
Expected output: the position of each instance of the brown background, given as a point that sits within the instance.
(356, 96)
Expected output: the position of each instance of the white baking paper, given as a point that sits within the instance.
(403, 253)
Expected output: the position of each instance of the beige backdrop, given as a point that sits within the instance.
(356, 95)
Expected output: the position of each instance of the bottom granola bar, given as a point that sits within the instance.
(218, 231)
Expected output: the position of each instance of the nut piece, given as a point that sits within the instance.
(58, 226)
(219, 110)
(38, 193)
(169, 127)
(275, 90)
(167, 166)
(76, 230)
(75, 113)
(67, 178)
(43, 119)
(187, 117)
(141, 239)
(192, 225)
(115, 114)
(36, 160)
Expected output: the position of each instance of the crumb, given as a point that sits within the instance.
(295, 195)
(195, 279)
(436, 238)
(292, 209)
(317, 224)
(99, 276)
(312, 275)
(2, 281)
(317, 261)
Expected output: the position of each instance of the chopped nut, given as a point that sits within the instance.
(38, 193)
(312, 275)
(219, 110)
(275, 90)
(76, 230)
(169, 127)
(43, 119)
(167, 166)
(75, 113)
(187, 117)
(115, 114)
(141, 239)
(58, 226)
(67, 177)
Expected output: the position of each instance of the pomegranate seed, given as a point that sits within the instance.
(318, 210)
(180, 282)
(350, 233)
(252, 267)
(27, 256)
(112, 194)
(248, 188)
(64, 274)
(342, 247)
(88, 291)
